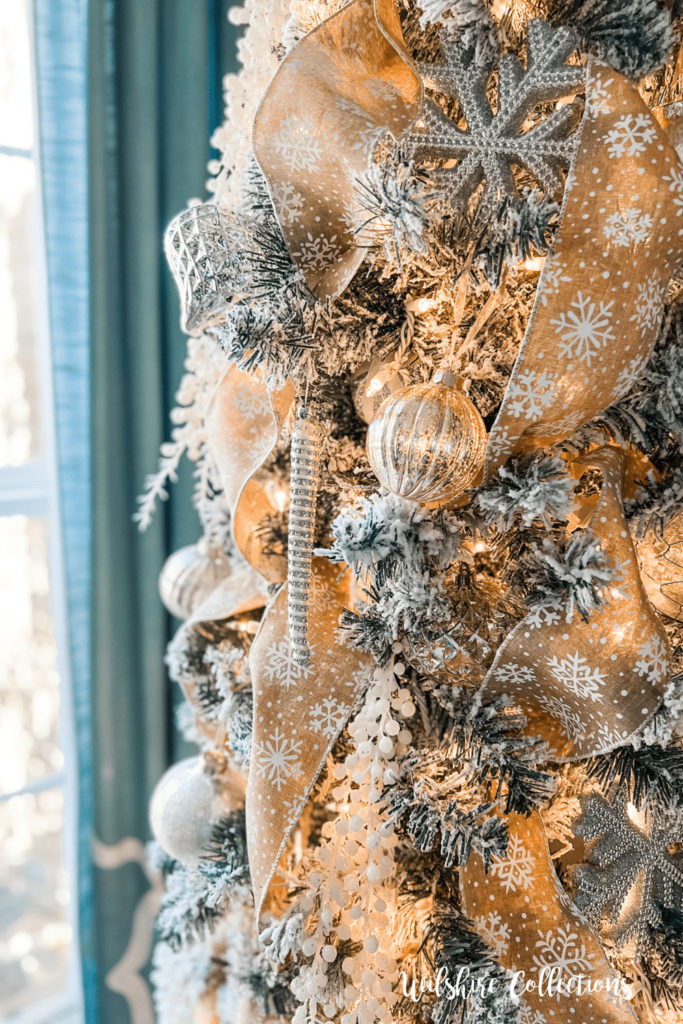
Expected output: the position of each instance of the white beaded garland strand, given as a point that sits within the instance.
(306, 453)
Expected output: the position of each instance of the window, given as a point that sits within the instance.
(39, 970)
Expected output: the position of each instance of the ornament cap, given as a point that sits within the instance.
(447, 378)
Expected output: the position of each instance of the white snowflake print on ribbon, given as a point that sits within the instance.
(500, 443)
(630, 136)
(630, 375)
(516, 869)
(494, 932)
(675, 183)
(281, 667)
(598, 99)
(585, 329)
(253, 406)
(627, 227)
(649, 304)
(546, 614)
(297, 143)
(328, 716)
(530, 393)
(609, 737)
(317, 252)
(516, 674)
(560, 950)
(569, 719)
(574, 674)
(553, 276)
(278, 758)
(526, 1015)
(288, 202)
(653, 660)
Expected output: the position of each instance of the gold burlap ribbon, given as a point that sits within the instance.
(243, 425)
(600, 298)
(298, 713)
(242, 592)
(339, 90)
(586, 687)
(520, 908)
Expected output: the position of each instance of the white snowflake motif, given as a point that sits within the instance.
(562, 952)
(546, 614)
(675, 182)
(598, 97)
(321, 595)
(653, 660)
(278, 758)
(252, 405)
(494, 932)
(576, 675)
(518, 675)
(516, 869)
(585, 328)
(281, 667)
(500, 444)
(553, 276)
(630, 136)
(629, 376)
(530, 393)
(649, 304)
(607, 736)
(528, 1016)
(328, 716)
(381, 90)
(297, 143)
(569, 720)
(366, 131)
(352, 216)
(317, 252)
(627, 227)
(288, 202)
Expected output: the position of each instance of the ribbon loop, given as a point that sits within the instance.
(586, 687)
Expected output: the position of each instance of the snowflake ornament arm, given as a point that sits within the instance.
(630, 873)
(492, 142)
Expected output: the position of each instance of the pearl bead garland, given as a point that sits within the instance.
(353, 885)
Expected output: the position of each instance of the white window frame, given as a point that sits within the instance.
(33, 490)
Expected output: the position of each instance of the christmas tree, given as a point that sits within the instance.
(431, 649)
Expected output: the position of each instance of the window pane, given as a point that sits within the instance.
(29, 684)
(16, 110)
(20, 438)
(34, 929)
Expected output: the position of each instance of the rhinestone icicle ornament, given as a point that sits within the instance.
(427, 442)
(305, 478)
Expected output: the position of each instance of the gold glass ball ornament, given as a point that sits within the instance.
(427, 442)
(189, 575)
(378, 381)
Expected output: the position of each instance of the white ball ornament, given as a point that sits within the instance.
(182, 811)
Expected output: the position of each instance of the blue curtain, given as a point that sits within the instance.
(129, 93)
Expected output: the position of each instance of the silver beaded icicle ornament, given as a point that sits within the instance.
(305, 478)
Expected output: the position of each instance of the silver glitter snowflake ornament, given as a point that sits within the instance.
(631, 874)
(492, 142)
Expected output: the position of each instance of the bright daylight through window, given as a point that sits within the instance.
(38, 975)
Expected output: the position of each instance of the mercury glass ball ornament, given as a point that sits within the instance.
(427, 442)
(182, 810)
(189, 575)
